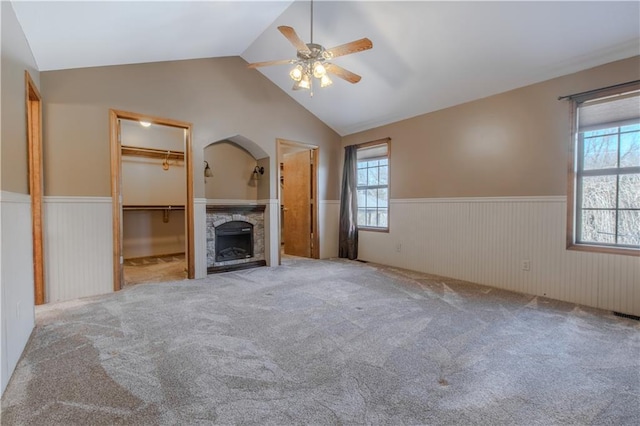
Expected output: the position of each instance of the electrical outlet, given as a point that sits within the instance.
(18, 309)
(526, 265)
(398, 247)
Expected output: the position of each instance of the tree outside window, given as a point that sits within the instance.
(606, 177)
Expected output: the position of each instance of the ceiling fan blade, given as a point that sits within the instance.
(348, 48)
(342, 73)
(269, 63)
(291, 35)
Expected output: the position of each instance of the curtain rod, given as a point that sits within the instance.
(588, 92)
(371, 143)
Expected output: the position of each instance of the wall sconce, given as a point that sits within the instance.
(257, 172)
(165, 163)
(207, 170)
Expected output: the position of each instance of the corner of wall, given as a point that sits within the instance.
(16, 278)
(16, 255)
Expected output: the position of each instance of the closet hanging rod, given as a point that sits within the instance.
(152, 152)
(150, 207)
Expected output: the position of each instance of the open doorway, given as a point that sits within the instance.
(152, 214)
(34, 147)
(297, 175)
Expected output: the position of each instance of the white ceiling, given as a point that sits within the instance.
(426, 55)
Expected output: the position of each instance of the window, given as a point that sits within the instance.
(606, 172)
(373, 186)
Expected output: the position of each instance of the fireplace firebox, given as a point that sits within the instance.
(234, 240)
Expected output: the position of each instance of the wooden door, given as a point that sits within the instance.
(297, 204)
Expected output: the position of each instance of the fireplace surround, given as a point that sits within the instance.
(235, 237)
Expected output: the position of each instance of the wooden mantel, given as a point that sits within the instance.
(235, 208)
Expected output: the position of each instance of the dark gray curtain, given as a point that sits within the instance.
(348, 240)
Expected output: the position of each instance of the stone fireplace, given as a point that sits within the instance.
(235, 237)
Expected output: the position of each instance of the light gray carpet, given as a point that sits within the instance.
(325, 342)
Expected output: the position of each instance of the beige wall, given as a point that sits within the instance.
(263, 183)
(220, 97)
(16, 58)
(155, 136)
(232, 168)
(145, 233)
(511, 144)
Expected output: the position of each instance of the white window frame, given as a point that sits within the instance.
(384, 146)
(576, 172)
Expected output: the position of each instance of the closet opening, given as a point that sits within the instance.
(152, 189)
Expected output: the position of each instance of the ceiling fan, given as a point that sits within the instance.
(313, 60)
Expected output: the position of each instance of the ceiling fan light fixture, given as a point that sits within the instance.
(296, 73)
(325, 81)
(319, 70)
(304, 83)
(313, 60)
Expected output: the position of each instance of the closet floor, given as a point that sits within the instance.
(155, 269)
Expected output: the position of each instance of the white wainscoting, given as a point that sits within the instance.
(78, 247)
(16, 275)
(485, 240)
(200, 236)
(271, 231)
(329, 224)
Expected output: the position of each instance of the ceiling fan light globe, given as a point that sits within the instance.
(296, 73)
(325, 81)
(319, 70)
(305, 83)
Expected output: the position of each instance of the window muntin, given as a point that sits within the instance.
(373, 187)
(607, 204)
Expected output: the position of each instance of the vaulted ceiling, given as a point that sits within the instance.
(426, 55)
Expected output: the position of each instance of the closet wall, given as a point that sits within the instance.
(153, 193)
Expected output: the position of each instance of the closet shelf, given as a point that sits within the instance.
(152, 207)
(152, 152)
